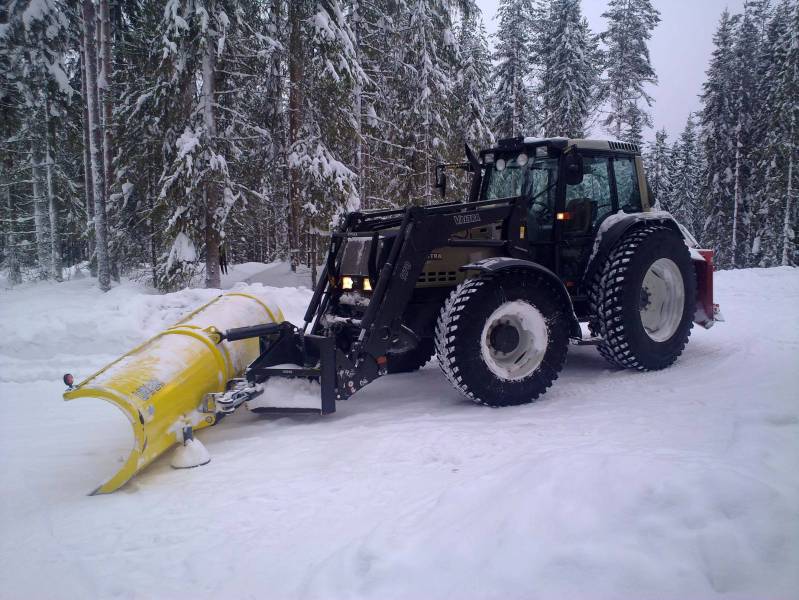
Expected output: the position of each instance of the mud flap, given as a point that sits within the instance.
(160, 386)
(707, 313)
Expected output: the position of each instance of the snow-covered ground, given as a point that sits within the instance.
(682, 484)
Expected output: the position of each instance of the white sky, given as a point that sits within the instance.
(680, 50)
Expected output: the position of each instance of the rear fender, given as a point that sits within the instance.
(614, 228)
(503, 263)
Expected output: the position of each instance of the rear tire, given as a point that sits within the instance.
(643, 300)
(502, 338)
(411, 360)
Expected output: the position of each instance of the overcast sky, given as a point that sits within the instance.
(680, 50)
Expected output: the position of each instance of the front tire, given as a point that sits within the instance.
(643, 300)
(502, 338)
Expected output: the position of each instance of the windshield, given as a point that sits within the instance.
(517, 174)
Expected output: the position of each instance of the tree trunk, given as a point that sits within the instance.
(39, 216)
(105, 66)
(213, 278)
(104, 86)
(88, 182)
(514, 118)
(357, 105)
(12, 261)
(788, 234)
(52, 199)
(428, 154)
(278, 230)
(296, 74)
(313, 259)
(92, 101)
(151, 235)
(736, 202)
(211, 191)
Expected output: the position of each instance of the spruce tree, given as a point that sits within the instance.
(472, 86)
(773, 184)
(789, 107)
(514, 107)
(685, 201)
(748, 41)
(34, 43)
(210, 132)
(657, 160)
(718, 121)
(568, 85)
(628, 69)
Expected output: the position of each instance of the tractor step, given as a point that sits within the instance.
(592, 341)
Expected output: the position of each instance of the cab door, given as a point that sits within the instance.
(541, 189)
(585, 206)
(610, 183)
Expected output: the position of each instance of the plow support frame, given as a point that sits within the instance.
(287, 352)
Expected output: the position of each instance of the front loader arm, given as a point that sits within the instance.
(426, 229)
(315, 354)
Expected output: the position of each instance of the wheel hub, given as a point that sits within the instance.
(644, 301)
(662, 300)
(504, 338)
(514, 340)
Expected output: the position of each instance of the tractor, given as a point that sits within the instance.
(556, 244)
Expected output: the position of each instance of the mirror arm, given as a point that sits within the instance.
(474, 162)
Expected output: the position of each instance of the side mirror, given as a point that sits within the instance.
(441, 180)
(573, 168)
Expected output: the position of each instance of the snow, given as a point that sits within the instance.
(186, 143)
(189, 455)
(56, 69)
(182, 251)
(37, 10)
(677, 484)
(288, 393)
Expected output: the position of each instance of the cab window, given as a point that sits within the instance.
(627, 184)
(590, 201)
(540, 188)
(505, 177)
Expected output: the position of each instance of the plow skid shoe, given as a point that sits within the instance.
(161, 385)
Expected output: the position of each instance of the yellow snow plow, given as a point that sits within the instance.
(165, 386)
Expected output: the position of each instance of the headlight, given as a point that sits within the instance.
(367, 285)
(346, 283)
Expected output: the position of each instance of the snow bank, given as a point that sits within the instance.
(677, 484)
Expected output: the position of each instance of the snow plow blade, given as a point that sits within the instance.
(161, 385)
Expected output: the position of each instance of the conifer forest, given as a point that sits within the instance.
(143, 138)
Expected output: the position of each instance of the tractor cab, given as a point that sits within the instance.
(570, 188)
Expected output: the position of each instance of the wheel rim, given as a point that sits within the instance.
(531, 338)
(662, 299)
